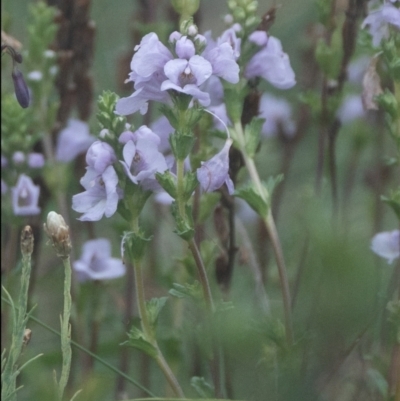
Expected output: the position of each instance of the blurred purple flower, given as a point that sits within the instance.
(387, 245)
(25, 197)
(142, 158)
(18, 157)
(214, 173)
(101, 195)
(378, 21)
(96, 262)
(4, 161)
(278, 115)
(99, 156)
(351, 109)
(270, 62)
(4, 187)
(35, 160)
(73, 140)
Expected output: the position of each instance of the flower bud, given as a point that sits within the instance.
(21, 89)
(58, 233)
(186, 8)
(27, 241)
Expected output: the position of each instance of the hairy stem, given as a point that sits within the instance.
(272, 231)
(202, 275)
(66, 330)
(147, 330)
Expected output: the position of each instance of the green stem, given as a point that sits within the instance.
(148, 331)
(272, 231)
(10, 373)
(66, 330)
(180, 169)
(202, 274)
(86, 351)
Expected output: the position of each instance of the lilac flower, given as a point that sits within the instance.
(378, 22)
(96, 262)
(25, 197)
(99, 156)
(142, 158)
(186, 76)
(155, 70)
(351, 109)
(270, 62)
(35, 160)
(147, 67)
(278, 115)
(229, 36)
(18, 157)
(387, 245)
(73, 140)
(214, 173)
(163, 129)
(101, 195)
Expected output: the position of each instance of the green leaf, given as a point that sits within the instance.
(181, 144)
(167, 181)
(187, 290)
(254, 200)
(252, 135)
(154, 307)
(190, 183)
(208, 201)
(184, 225)
(393, 200)
(138, 340)
(203, 388)
(134, 245)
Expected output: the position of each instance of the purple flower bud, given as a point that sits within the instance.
(25, 197)
(21, 89)
(214, 173)
(99, 156)
(96, 262)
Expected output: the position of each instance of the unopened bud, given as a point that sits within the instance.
(186, 8)
(21, 89)
(58, 232)
(192, 30)
(27, 241)
(27, 336)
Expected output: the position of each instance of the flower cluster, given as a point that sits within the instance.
(101, 193)
(156, 71)
(380, 19)
(270, 62)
